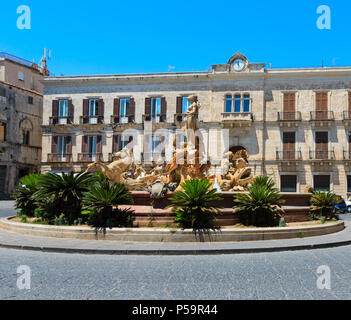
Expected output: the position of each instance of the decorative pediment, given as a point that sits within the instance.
(237, 56)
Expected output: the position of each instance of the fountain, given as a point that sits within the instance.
(151, 191)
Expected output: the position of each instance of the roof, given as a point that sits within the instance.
(20, 61)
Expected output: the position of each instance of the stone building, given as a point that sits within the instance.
(21, 108)
(294, 123)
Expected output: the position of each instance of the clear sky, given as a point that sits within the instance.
(110, 37)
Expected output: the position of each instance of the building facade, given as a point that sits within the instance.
(294, 123)
(21, 108)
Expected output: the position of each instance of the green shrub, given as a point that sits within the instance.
(100, 204)
(322, 205)
(27, 186)
(61, 194)
(261, 206)
(192, 206)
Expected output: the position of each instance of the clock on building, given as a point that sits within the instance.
(239, 64)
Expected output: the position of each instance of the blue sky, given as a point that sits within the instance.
(110, 37)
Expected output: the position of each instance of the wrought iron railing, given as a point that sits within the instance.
(322, 155)
(162, 117)
(61, 120)
(55, 157)
(91, 119)
(90, 157)
(288, 155)
(322, 116)
(289, 116)
(122, 119)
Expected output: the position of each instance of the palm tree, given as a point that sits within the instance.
(62, 194)
(261, 206)
(322, 204)
(27, 186)
(101, 203)
(192, 206)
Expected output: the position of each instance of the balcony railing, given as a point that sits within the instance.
(289, 155)
(124, 119)
(322, 116)
(322, 155)
(237, 116)
(61, 120)
(90, 157)
(179, 117)
(91, 119)
(162, 117)
(347, 115)
(289, 116)
(55, 157)
(347, 155)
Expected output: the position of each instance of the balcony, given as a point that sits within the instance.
(238, 118)
(322, 117)
(125, 119)
(322, 157)
(60, 120)
(179, 117)
(55, 157)
(289, 118)
(162, 117)
(347, 157)
(90, 157)
(288, 156)
(91, 119)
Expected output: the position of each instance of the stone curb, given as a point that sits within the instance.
(175, 252)
(168, 235)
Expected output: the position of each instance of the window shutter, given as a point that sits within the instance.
(131, 107)
(148, 106)
(321, 101)
(54, 143)
(101, 107)
(148, 109)
(70, 109)
(85, 107)
(85, 144)
(163, 105)
(99, 144)
(116, 106)
(179, 105)
(115, 147)
(69, 145)
(55, 108)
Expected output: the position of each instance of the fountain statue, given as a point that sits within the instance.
(185, 164)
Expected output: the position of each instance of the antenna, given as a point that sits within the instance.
(44, 61)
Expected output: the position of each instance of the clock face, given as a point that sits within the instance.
(239, 64)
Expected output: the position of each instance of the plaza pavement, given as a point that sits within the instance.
(24, 242)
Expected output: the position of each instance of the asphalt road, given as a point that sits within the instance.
(283, 275)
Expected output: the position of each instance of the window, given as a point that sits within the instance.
(185, 105)
(20, 76)
(63, 108)
(155, 108)
(241, 103)
(62, 146)
(25, 138)
(237, 103)
(246, 103)
(93, 107)
(123, 142)
(124, 110)
(228, 103)
(288, 183)
(30, 100)
(321, 183)
(349, 184)
(2, 131)
(92, 144)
